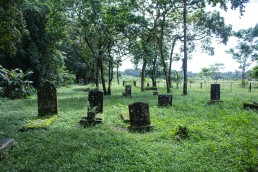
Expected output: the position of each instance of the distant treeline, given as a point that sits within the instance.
(219, 75)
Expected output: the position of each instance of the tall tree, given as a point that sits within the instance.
(245, 52)
(213, 23)
(12, 27)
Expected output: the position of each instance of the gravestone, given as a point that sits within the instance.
(95, 106)
(5, 144)
(95, 99)
(253, 106)
(139, 116)
(151, 88)
(47, 99)
(165, 100)
(215, 93)
(155, 93)
(127, 92)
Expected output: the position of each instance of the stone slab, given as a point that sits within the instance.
(251, 106)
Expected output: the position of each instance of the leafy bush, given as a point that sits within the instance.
(13, 83)
(65, 78)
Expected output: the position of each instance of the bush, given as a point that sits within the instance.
(13, 83)
(65, 78)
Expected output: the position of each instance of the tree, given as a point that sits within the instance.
(12, 26)
(245, 52)
(97, 25)
(254, 72)
(213, 23)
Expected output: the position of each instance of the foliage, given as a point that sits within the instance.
(14, 83)
(254, 73)
(65, 78)
(246, 51)
(12, 26)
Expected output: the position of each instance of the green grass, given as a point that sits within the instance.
(221, 137)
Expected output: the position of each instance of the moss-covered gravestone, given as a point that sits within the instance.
(47, 99)
(95, 99)
(155, 93)
(253, 106)
(128, 91)
(215, 93)
(95, 106)
(164, 100)
(139, 117)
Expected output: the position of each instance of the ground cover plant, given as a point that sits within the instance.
(220, 137)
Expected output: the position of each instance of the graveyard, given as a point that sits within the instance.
(188, 133)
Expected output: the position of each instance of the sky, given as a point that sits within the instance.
(200, 60)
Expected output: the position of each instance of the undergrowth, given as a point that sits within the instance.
(220, 137)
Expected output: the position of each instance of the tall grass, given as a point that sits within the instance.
(222, 137)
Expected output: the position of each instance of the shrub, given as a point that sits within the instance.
(13, 83)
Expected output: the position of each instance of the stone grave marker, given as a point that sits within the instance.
(5, 144)
(164, 100)
(95, 99)
(155, 93)
(95, 106)
(128, 91)
(47, 99)
(139, 116)
(215, 93)
(253, 106)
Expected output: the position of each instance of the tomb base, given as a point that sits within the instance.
(86, 121)
(141, 128)
(253, 106)
(214, 102)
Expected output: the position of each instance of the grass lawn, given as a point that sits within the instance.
(222, 137)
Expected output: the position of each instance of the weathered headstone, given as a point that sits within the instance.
(165, 100)
(139, 116)
(155, 93)
(47, 99)
(215, 92)
(95, 106)
(151, 88)
(128, 91)
(5, 144)
(95, 99)
(253, 106)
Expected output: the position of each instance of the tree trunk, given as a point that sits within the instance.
(162, 55)
(143, 74)
(97, 74)
(170, 63)
(110, 75)
(102, 77)
(77, 79)
(153, 73)
(243, 77)
(117, 74)
(185, 53)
